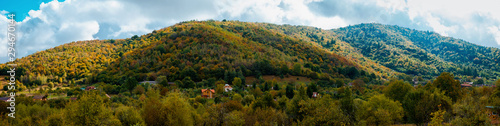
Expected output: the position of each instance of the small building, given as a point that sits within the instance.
(150, 82)
(4, 98)
(108, 96)
(315, 95)
(465, 85)
(73, 98)
(90, 88)
(492, 114)
(227, 88)
(207, 93)
(39, 98)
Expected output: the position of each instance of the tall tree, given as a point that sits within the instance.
(90, 110)
(450, 86)
(130, 84)
(397, 90)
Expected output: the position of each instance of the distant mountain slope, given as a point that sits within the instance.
(420, 52)
(330, 42)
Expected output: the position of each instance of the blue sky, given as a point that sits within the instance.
(21, 7)
(44, 24)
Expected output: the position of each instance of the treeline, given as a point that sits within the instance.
(441, 101)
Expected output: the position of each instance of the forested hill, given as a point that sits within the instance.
(420, 52)
(223, 50)
(212, 50)
(194, 50)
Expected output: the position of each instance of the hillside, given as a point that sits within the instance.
(224, 50)
(198, 50)
(420, 52)
(213, 50)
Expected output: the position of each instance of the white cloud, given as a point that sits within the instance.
(435, 23)
(3, 35)
(496, 33)
(56, 23)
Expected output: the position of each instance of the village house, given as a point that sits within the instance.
(4, 99)
(39, 98)
(315, 95)
(207, 93)
(90, 88)
(150, 82)
(227, 88)
(465, 85)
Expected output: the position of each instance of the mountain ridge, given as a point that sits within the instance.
(364, 50)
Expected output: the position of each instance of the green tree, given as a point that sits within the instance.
(248, 99)
(284, 69)
(90, 110)
(347, 104)
(450, 86)
(397, 90)
(265, 102)
(234, 118)
(420, 103)
(297, 69)
(339, 82)
(470, 112)
(162, 80)
(496, 93)
(237, 82)
(237, 97)
(437, 118)
(128, 116)
(479, 81)
(323, 112)
(219, 89)
(170, 111)
(380, 110)
(188, 83)
(130, 84)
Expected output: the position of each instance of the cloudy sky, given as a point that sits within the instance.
(43, 24)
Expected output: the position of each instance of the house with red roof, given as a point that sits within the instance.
(207, 93)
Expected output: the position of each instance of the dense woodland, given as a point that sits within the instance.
(367, 74)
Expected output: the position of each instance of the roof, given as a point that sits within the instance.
(315, 94)
(38, 97)
(150, 82)
(203, 90)
(227, 86)
(90, 87)
(4, 98)
(492, 107)
(466, 85)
